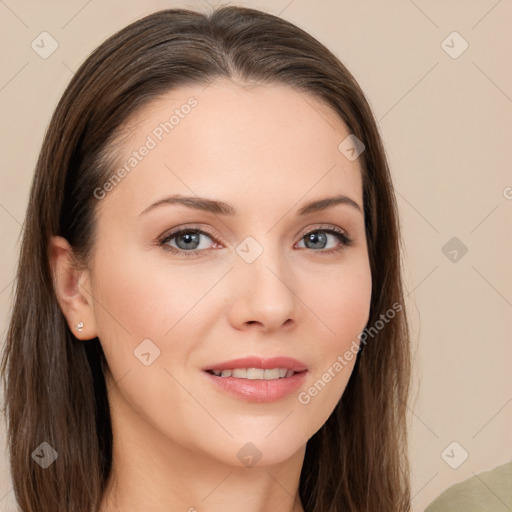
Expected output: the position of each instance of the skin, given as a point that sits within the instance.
(267, 150)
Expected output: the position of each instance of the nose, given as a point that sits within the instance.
(263, 296)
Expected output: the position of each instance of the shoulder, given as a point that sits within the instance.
(490, 491)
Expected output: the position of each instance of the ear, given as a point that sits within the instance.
(72, 288)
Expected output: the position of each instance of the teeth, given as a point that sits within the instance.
(255, 373)
(269, 374)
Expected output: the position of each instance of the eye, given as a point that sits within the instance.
(187, 241)
(318, 238)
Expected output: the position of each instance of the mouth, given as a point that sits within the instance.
(255, 379)
(254, 373)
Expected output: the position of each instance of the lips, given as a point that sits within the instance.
(271, 363)
(257, 380)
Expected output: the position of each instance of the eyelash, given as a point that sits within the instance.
(345, 240)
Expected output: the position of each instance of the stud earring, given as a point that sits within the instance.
(79, 326)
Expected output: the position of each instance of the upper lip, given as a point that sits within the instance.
(260, 362)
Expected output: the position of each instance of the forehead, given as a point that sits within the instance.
(266, 138)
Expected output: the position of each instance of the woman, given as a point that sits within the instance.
(209, 307)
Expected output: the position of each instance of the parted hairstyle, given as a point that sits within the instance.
(54, 384)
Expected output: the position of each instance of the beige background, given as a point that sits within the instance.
(446, 123)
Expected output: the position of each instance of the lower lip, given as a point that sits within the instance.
(258, 390)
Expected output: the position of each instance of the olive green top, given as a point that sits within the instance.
(490, 491)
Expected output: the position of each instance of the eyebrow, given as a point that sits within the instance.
(222, 208)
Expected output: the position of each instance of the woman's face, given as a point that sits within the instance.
(257, 278)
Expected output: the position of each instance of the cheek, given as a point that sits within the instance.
(135, 301)
(340, 300)
(342, 305)
(144, 299)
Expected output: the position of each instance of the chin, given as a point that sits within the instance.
(262, 452)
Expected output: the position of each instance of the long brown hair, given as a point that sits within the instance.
(54, 385)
